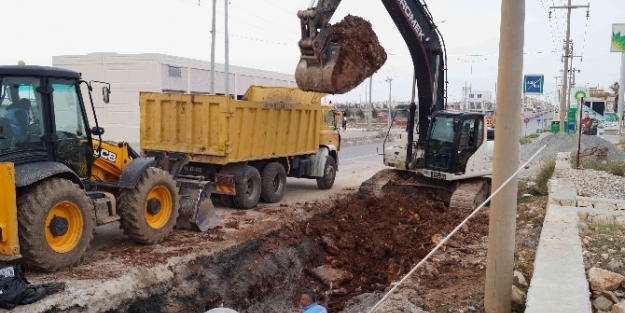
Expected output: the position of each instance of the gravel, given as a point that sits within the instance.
(567, 143)
(595, 184)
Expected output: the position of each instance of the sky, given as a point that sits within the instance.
(264, 35)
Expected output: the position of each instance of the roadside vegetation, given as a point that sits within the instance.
(594, 163)
(538, 186)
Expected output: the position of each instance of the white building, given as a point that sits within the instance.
(477, 99)
(130, 74)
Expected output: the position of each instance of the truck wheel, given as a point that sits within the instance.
(329, 174)
(55, 224)
(273, 182)
(149, 211)
(248, 192)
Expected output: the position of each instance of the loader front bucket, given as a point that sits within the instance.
(351, 55)
(196, 211)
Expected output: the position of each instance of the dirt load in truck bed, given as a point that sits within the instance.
(360, 56)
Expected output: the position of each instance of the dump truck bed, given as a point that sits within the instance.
(269, 122)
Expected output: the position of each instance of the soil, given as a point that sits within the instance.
(360, 55)
(371, 242)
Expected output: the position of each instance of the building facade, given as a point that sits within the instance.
(129, 74)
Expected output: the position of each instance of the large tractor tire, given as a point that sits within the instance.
(55, 224)
(248, 191)
(148, 212)
(329, 174)
(273, 182)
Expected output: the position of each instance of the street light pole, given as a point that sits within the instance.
(389, 80)
(212, 83)
(227, 58)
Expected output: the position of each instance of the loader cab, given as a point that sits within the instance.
(452, 139)
(43, 118)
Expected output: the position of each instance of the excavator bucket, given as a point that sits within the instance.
(336, 58)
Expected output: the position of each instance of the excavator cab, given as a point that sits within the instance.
(453, 139)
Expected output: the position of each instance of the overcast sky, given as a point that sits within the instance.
(264, 35)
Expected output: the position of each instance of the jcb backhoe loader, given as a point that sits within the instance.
(58, 183)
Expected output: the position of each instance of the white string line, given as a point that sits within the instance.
(388, 294)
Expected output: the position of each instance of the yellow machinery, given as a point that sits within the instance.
(58, 182)
(243, 149)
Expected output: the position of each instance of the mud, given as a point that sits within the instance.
(360, 56)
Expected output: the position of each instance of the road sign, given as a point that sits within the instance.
(526, 120)
(533, 84)
(579, 94)
(538, 121)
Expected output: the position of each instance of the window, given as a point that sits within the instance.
(479, 96)
(470, 95)
(21, 122)
(174, 71)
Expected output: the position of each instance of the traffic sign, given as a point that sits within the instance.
(533, 84)
(526, 120)
(538, 121)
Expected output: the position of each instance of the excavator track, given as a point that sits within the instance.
(470, 193)
(464, 195)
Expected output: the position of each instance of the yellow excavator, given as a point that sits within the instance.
(60, 180)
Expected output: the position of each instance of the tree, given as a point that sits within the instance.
(615, 88)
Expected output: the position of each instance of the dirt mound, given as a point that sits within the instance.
(360, 55)
(378, 240)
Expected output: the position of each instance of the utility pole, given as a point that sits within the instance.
(568, 7)
(227, 44)
(370, 102)
(389, 80)
(557, 97)
(621, 94)
(502, 222)
(212, 83)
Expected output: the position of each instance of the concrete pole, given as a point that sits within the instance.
(389, 80)
(565, 80)
(502, 224)
(621, 92)
(557, 100)
(370, 97)
(227, 43)
(212, 83)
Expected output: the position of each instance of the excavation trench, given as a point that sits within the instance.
(343, 249)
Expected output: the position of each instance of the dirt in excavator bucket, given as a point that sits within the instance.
(360, 55)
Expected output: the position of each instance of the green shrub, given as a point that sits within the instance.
(543, 176)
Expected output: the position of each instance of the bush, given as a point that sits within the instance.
(544, 174)
(592, 162)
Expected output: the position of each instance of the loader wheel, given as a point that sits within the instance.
(55, 224)
(248, 192)
(329, 174)
(149, 210)
(273, 182)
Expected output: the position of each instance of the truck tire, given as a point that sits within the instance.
(329, 174)
(248, 192)
(148, 212)
(55, 223)
(273, 182)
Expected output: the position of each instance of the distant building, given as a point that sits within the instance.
(477, 99)
(130, 74)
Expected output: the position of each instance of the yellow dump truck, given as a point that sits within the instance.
(240, 150)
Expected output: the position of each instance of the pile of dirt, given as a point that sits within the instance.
(360, 55)
(375, 241)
